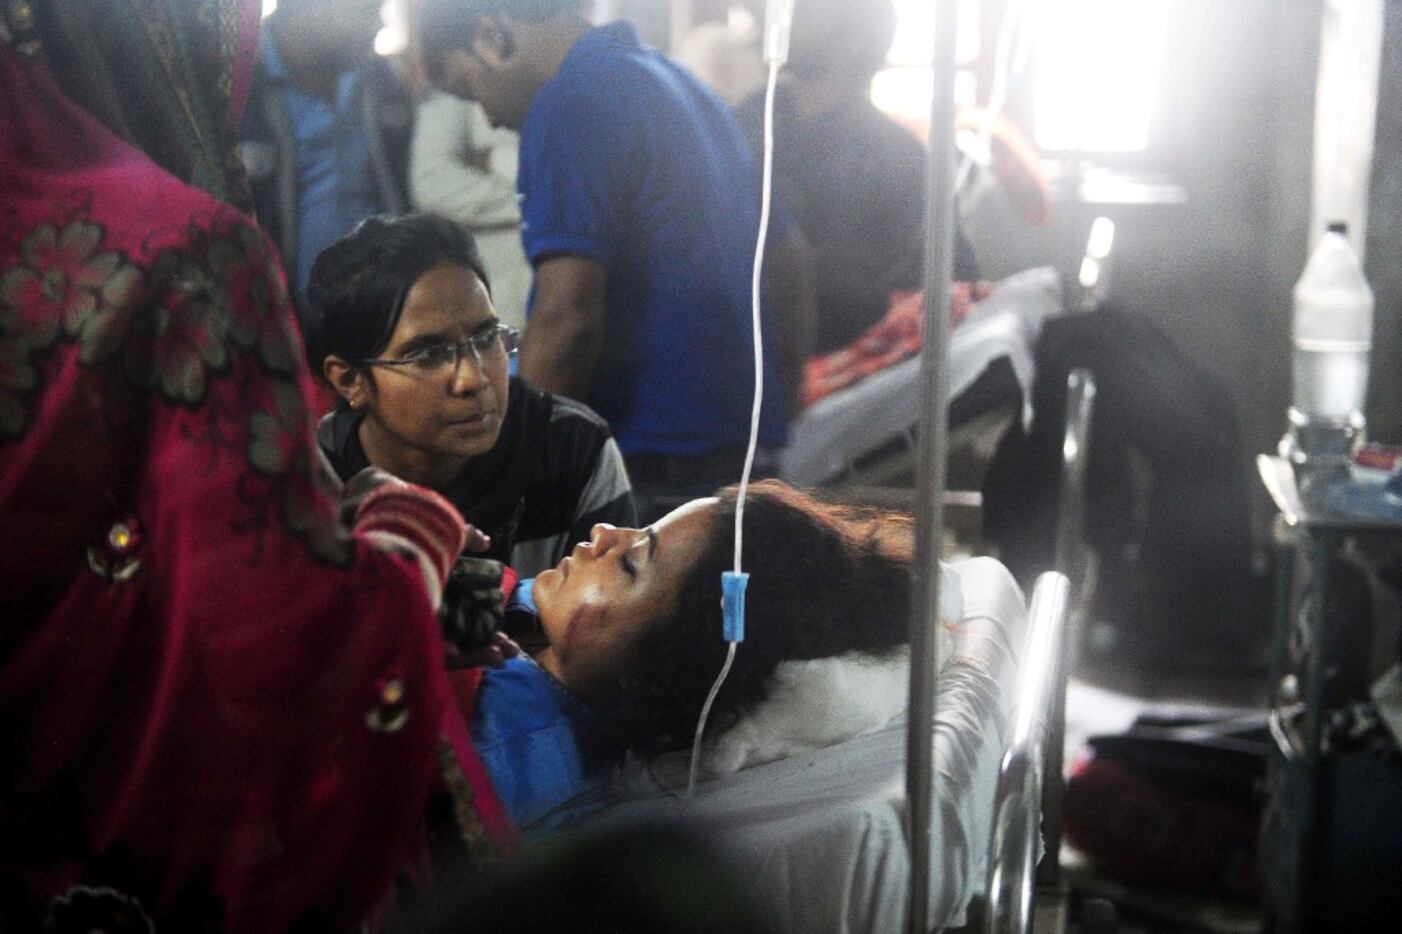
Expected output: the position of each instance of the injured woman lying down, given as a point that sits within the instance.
(633, 617)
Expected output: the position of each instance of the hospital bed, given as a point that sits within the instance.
(823, 835)
(838, 436)
(820, 836)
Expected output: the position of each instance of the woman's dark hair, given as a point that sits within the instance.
(824, 580)
(359, 283)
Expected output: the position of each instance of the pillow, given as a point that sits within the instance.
(815, 703)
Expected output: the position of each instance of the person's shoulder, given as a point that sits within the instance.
(571, 426)
(570, 104)
(892, 134)
(534, 403)
(444, 104)
(387, 73)
(335, 436)
(609, 67)
(564, 409)
(752, 107)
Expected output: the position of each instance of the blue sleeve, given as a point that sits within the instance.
(574, 151)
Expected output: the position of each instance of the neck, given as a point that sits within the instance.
(297, 46)
(554, 43)
(408, 464)
(548, 660)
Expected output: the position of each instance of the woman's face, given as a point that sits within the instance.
(597, 603)
(425, 419)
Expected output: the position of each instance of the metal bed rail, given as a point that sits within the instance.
(1017, 807)
(1077, 562)
(1030, 788)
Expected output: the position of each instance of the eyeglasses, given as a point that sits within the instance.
(491, 345)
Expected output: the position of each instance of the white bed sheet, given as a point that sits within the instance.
(833, 432)
(821, 834)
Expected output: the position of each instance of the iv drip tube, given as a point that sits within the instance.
(930, 476)
(738, 578)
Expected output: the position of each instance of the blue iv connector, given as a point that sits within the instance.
(732, 586)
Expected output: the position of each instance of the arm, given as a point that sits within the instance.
(793, 308)
(566, 329)
(275, 672)
(450, 172)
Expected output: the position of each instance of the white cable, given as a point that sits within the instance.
(756, 283)
(766, 195)
(705, 713)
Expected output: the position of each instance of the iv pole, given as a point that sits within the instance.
(933, 446)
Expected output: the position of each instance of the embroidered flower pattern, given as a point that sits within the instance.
(279, 446)
(61, 282)
(175, 341)
(255, 291)
(172, 328)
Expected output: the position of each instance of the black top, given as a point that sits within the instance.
(854, 181)
(554, 472)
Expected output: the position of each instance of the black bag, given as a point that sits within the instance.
(1168, 504)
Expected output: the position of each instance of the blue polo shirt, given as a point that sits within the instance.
(628, 160)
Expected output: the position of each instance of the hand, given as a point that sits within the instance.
(472, 611)
(490, 656)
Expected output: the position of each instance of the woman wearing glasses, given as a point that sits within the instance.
(402, 327)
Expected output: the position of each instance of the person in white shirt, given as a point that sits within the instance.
(464, 169)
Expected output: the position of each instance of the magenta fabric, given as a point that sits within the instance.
(218, 710)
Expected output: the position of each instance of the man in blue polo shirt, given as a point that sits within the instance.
(640, 202)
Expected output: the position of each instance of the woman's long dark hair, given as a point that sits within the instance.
(824, 580)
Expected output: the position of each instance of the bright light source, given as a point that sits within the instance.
(1098, 65)
(268, 7)
(394, 38)
(902, 91)
(390, 41)
(903, 94)
(1090, 272)
(915, 31)
(1102, 238)
(740, 19)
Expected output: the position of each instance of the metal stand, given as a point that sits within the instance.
(930, 479)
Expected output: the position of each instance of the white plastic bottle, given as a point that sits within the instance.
(1333, 337)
